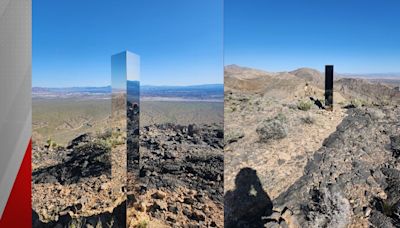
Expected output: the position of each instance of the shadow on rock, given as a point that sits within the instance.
(317, 102)
(248, 203)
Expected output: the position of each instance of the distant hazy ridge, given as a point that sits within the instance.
(207, 92)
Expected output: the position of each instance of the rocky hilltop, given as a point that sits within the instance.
(181, 177)
(72, 186)
(295, 164)
(292, 84)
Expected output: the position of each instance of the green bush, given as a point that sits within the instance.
(356, 103)
(142, 224)
(233, 136)
(51, 143)
(274, 128)
(305, 105)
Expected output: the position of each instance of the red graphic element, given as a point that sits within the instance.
(18, 211)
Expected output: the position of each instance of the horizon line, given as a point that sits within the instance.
(345, 73)
(102, 86)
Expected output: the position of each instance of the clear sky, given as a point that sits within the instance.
(179, 41)
(357, 36)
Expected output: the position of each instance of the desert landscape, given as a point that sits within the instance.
(78, 158)
(291, 163)
(176, 178)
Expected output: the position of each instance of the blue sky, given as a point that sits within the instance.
(179, 41)
(357, 36)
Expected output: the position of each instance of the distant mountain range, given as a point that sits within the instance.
(206, 92)
(373, 76)
(292, 84)
(209, 92)
(313, 72)
(42, 90)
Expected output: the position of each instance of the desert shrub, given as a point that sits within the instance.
(281, 117)
(305, 105)
(272, 129)
(228, 96)
(104, 142)
(356, 103)
(111, 141)
(51, 143)
(142, 224)
(75, 223)
(385, 102)
(292, 106)
(342, 103)
(308, 119)
(104, 135)
(233, 136)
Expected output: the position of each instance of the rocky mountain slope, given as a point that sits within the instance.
(295, 164)
(352, 180)
(283, 85)
(369, 92)
(256, 81)
(310, 75)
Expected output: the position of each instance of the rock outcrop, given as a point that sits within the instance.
(181, 176)
(353, 171)
(76, 187)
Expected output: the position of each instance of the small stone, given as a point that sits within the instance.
(140, 206)
(272, 225)
(171, 218)
(358, 211)
(188, 201)
(161, 204)
(367, 211)
(198, 216)
(173, 209)
(158, 195)
(104, 186)
(186, 212)
(275, 216)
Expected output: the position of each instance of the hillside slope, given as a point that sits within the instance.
(295, 164)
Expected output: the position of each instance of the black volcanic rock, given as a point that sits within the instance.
(395, 145)
(83, 161)
(80, 139)
(186, 153)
